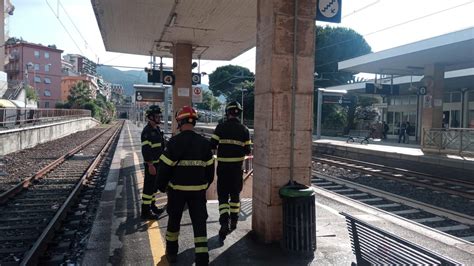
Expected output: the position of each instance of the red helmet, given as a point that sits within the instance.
(186, 114)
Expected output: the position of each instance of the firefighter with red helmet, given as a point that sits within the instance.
(152, 147)
(186, 170)
(232, 141)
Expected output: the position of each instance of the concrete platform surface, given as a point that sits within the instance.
(120, 237)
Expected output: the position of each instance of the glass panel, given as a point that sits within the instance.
(46, 55)
(47, 92)
(447, 98)
(37, 79)
(455, 116)
(37, 67)
(37, 54)
(47, 80)
(456, 97)
(397, 101)
(405, 100)
(413, 99)
(46, 67)
(471, 96)
(471, 118)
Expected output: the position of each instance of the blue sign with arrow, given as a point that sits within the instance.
(329, 11)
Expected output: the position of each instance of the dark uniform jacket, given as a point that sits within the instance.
(187, 163)
(152, 144)
(233, 140)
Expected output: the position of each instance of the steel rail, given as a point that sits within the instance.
(466, 195)
(32, 256)
(42, 172)
(403, 171)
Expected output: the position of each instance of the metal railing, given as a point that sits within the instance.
(453, 140)
(21, 117)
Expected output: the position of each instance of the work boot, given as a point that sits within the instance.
(156, 210)
(233, 225)
(223, 232)
(147, 214)
(172, 258)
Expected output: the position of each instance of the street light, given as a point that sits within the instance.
(242, 114)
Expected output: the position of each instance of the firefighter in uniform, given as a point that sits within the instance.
(152, 147)
(186, 170)
(232, 140)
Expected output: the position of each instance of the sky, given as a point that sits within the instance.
(71, 25)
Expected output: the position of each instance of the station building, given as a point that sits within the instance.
(400, 73)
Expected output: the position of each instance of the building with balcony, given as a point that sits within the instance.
(38, 66)
(81, 64)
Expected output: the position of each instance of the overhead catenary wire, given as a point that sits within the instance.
(65, 28)
(77, 29)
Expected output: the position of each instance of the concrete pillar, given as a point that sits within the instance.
(432, 114)
(2, 35)
(273, 100)
(182, 60)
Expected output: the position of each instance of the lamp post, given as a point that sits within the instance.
(242, 114)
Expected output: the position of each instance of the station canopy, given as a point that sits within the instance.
(217, 30)
(454, 50)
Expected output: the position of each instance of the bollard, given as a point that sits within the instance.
(299, 219)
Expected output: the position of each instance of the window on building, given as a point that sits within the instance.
(47, 80)
(405, 100)
(46, 105)
(47, 92)
(37, 54)
(447, 97)
(37, 79)
(47, 67)
(37, 67)
(397, 101)
(456, 97)
(470, 96)
(46, 55)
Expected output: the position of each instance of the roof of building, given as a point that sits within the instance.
(454, 50)
(217, 30)
(38, 46)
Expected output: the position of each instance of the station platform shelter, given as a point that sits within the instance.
(120, 237)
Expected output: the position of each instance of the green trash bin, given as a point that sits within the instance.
(299, 219)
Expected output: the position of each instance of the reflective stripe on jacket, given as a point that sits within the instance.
(187, 163)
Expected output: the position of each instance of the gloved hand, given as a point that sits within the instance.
(151, 169)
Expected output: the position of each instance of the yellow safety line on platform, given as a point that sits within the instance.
(154, 236)
(156, 243)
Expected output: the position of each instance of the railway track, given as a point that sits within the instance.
(421, 203)
(459, 188)
(33, 210)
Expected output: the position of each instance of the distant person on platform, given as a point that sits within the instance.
(385, 129)
(407, 131)
(402, 131)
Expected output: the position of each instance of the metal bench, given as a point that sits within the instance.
(361, 136)
(373, 246)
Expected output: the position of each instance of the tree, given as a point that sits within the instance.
(335, 44)
(209, 102)
(225, 79)
(79, 95)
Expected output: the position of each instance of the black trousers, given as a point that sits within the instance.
(229, 186)
(150, 187)
(196, 201)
